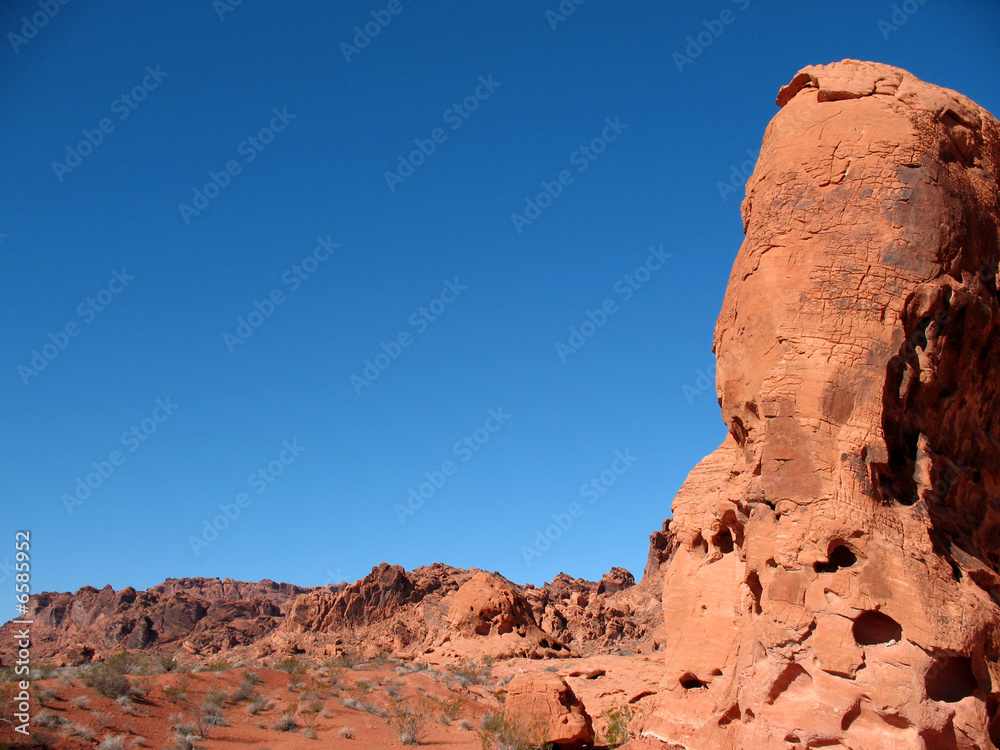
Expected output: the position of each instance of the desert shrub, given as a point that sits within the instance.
(251, 676)
(106, 680)
(334, 675)
(351, 703)
(164, 663)
(470, 672)
(309, 711)
(80, 701)
(218, 665)
(346, 660)
(346, 732)
(126, 662)
(286, 723)
(184, 741)
(503, 732)
(42, 672)
(214, 698)
(362, 688)
(50, 719)
(214, 719)
(177, 691)
(46, 695)
(112, 742)
(451, 706)
(257, 704)
(81, 731)
(395, 690)
(618, 719)
(410, 718)
(465, 725)
(292, 665)
(309, 733)
(244, 691)
(375, 710)
(103, 717)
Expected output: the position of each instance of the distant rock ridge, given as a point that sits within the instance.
(388, 611)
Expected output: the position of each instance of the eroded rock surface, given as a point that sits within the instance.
(836, 581)
(544, 701)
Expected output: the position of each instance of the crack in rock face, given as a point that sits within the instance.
(838, 569)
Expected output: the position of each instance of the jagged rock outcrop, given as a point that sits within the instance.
(837, 578)
(407, 613)
(453, 613)
(206, 615)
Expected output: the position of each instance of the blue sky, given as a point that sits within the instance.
(170, 173)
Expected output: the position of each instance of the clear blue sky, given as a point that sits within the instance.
(180, 93)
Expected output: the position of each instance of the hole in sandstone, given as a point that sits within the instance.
(543, 643)
(690, 682)
(871, 628)
(724, 542)
(840, 557)
(920, 334)
(993, 727)
(640, 696)
(956, 572)
(730, 716)
(739, 431)
(756, 590)
(950, 679)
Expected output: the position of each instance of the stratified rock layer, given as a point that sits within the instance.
(836, 581)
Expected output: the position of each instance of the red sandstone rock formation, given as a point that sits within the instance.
(388, 611)
(207, 615)
(838, 572)
(450, 613)
(545, 698)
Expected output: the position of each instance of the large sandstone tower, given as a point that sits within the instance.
(837, 580)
